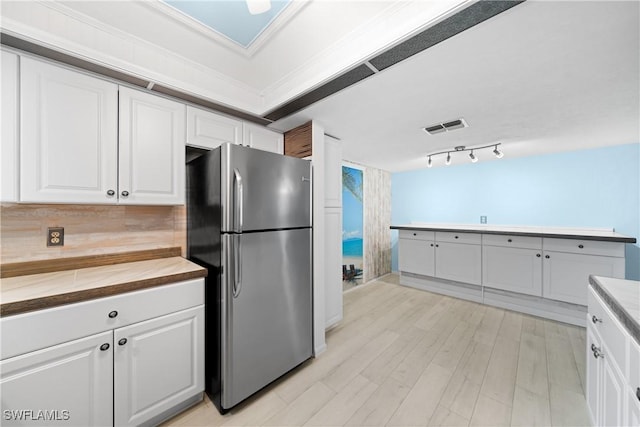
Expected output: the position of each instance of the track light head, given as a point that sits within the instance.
(473, 157)
(429, 163)
(448, 161)
(499, 154)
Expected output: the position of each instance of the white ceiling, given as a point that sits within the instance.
(541, 77)
(544, 76)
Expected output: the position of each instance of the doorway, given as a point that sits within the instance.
(352, 227)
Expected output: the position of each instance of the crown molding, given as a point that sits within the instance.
(135, 56)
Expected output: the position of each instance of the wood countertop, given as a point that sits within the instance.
(49, 289)
(552, 232)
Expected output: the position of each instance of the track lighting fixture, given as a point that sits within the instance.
(499, 154)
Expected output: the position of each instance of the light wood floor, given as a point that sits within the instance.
(404, 357)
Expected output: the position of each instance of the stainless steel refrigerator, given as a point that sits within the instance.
(249, 223)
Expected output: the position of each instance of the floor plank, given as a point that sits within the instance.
(405, 357)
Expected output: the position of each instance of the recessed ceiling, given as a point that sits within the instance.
(230, 18)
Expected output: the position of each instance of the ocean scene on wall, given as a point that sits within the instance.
(352, 227)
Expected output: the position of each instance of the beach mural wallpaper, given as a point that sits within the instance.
(352, 227)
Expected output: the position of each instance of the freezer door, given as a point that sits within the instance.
(268, 314)
(263, 190)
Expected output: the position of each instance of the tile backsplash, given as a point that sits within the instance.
(89, 230)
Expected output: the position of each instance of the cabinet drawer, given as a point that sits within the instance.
(608, 328)
(43, 328)
(416, 234)
(469, 238)
(512, 241)
(588, 247)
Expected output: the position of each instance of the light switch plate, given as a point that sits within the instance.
(483, 219)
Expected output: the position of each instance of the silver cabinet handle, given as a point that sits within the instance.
(104, 347)
(597, 351)
(238, 202)
(125, 193)
(594, 319)
(237, 276)
(111, 193)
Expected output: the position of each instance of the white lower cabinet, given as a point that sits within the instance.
(158, 363)
(416, 256)
(459, 261)
(66, 384)
(566, 275)
(609, 391)
(144, 365)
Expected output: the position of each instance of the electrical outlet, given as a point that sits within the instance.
(55, 236)
(483, 219)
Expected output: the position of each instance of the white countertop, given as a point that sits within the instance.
(623, 298)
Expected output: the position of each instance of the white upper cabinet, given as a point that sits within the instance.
(209, 130)
(151, 153)
(9, 120)
(262, 138)
(69, 141)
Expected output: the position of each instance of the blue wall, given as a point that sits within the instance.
(590, 188)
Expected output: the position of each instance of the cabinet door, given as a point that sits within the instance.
(566, 275)
(158, 363)
(613, 392)
(512, 269)
(9, 144)
(593, 375)
(262, 138)
(416, 256)
(459, 262)
(333, 260)
(209, 130)
(151, 152)
(633, 407)
(68, 131)
(71, 383)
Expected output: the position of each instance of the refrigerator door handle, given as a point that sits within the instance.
(238, 201)
(237, 262)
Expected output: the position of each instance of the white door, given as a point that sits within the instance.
(612, 390)
(158, 363)
(68, 131)
(209, 130)
(260, 137)
(512, 269)
(416, 256)
(152, 149)
(9, 148)
(71, 383)
(566, 275)
(459, 262)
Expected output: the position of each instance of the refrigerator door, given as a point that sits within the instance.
(263, 190)
(267, 311)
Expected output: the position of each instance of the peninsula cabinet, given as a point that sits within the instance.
(613, 372)
(130, 359)
(568, 263)
(512, 263)
(87, 140)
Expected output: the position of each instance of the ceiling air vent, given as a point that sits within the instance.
(446, 126)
